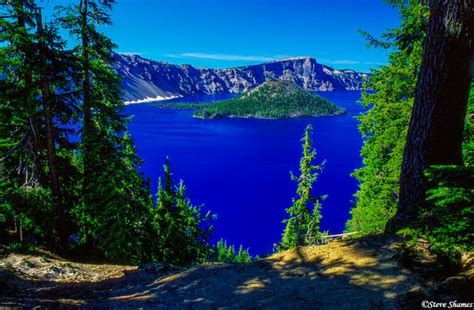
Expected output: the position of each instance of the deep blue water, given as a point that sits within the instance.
(239, 168)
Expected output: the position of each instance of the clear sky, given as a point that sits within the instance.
(226, 33)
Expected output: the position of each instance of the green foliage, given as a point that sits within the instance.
(52, 189)
(6, 209)
(447, 218)
(115, 196)
(181, 229)
(468, 143)
(40, 76)
(243, 256)
(273, 99)
(118, 206)
(35, 69)
(227, 254)
(388, 96)
(303, 225)
(31, 213)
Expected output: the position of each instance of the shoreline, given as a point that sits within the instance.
(152, 99)
(270, 118)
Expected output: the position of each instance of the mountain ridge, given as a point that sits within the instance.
(148, 80)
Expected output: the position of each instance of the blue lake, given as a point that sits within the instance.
(239, 168)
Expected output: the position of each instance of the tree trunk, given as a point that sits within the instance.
(47, 100)
(35, 146)
(436, 127)
(86, 88)
(88, 125)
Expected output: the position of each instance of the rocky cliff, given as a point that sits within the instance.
(145, 78)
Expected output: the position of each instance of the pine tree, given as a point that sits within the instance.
(435, 133)
(165, 217)
(37, 72)
(52, 188)
(303, 225)
(20, 141)
(388, 96)
(198, 225)
(182, 228)
(20, 129)
(445, 219)
(115, 196)
(55, 65)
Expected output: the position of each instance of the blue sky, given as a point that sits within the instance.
(226, 33)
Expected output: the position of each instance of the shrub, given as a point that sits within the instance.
(227, 254)
(447, 218)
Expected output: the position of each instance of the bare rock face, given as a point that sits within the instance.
(144, 78)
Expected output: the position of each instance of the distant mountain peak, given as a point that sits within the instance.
(296, 58)
(144, 78)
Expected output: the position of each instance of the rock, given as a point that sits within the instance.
(143, 78)
(467, 260)
(457, 287)
(454, 283)
(153, 267)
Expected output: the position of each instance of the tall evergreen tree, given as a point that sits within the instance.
(445, 218)
(44, 89)
(435, 133)
(21, 156)
(388, 96)
(115, 196)
(303, 225)
(36, 72)
(20, 128)
(55, 67)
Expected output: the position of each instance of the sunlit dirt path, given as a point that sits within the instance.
(352, 274)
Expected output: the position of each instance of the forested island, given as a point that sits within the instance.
(272, 99)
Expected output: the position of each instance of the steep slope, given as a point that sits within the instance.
(144, 78)
(272, 99)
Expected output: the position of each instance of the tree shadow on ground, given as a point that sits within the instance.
(357, 274)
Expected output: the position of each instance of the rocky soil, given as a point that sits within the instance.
(349, 274)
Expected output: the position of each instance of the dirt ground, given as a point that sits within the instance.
(349, 274)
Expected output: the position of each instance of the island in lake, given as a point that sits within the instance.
(272, 99)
